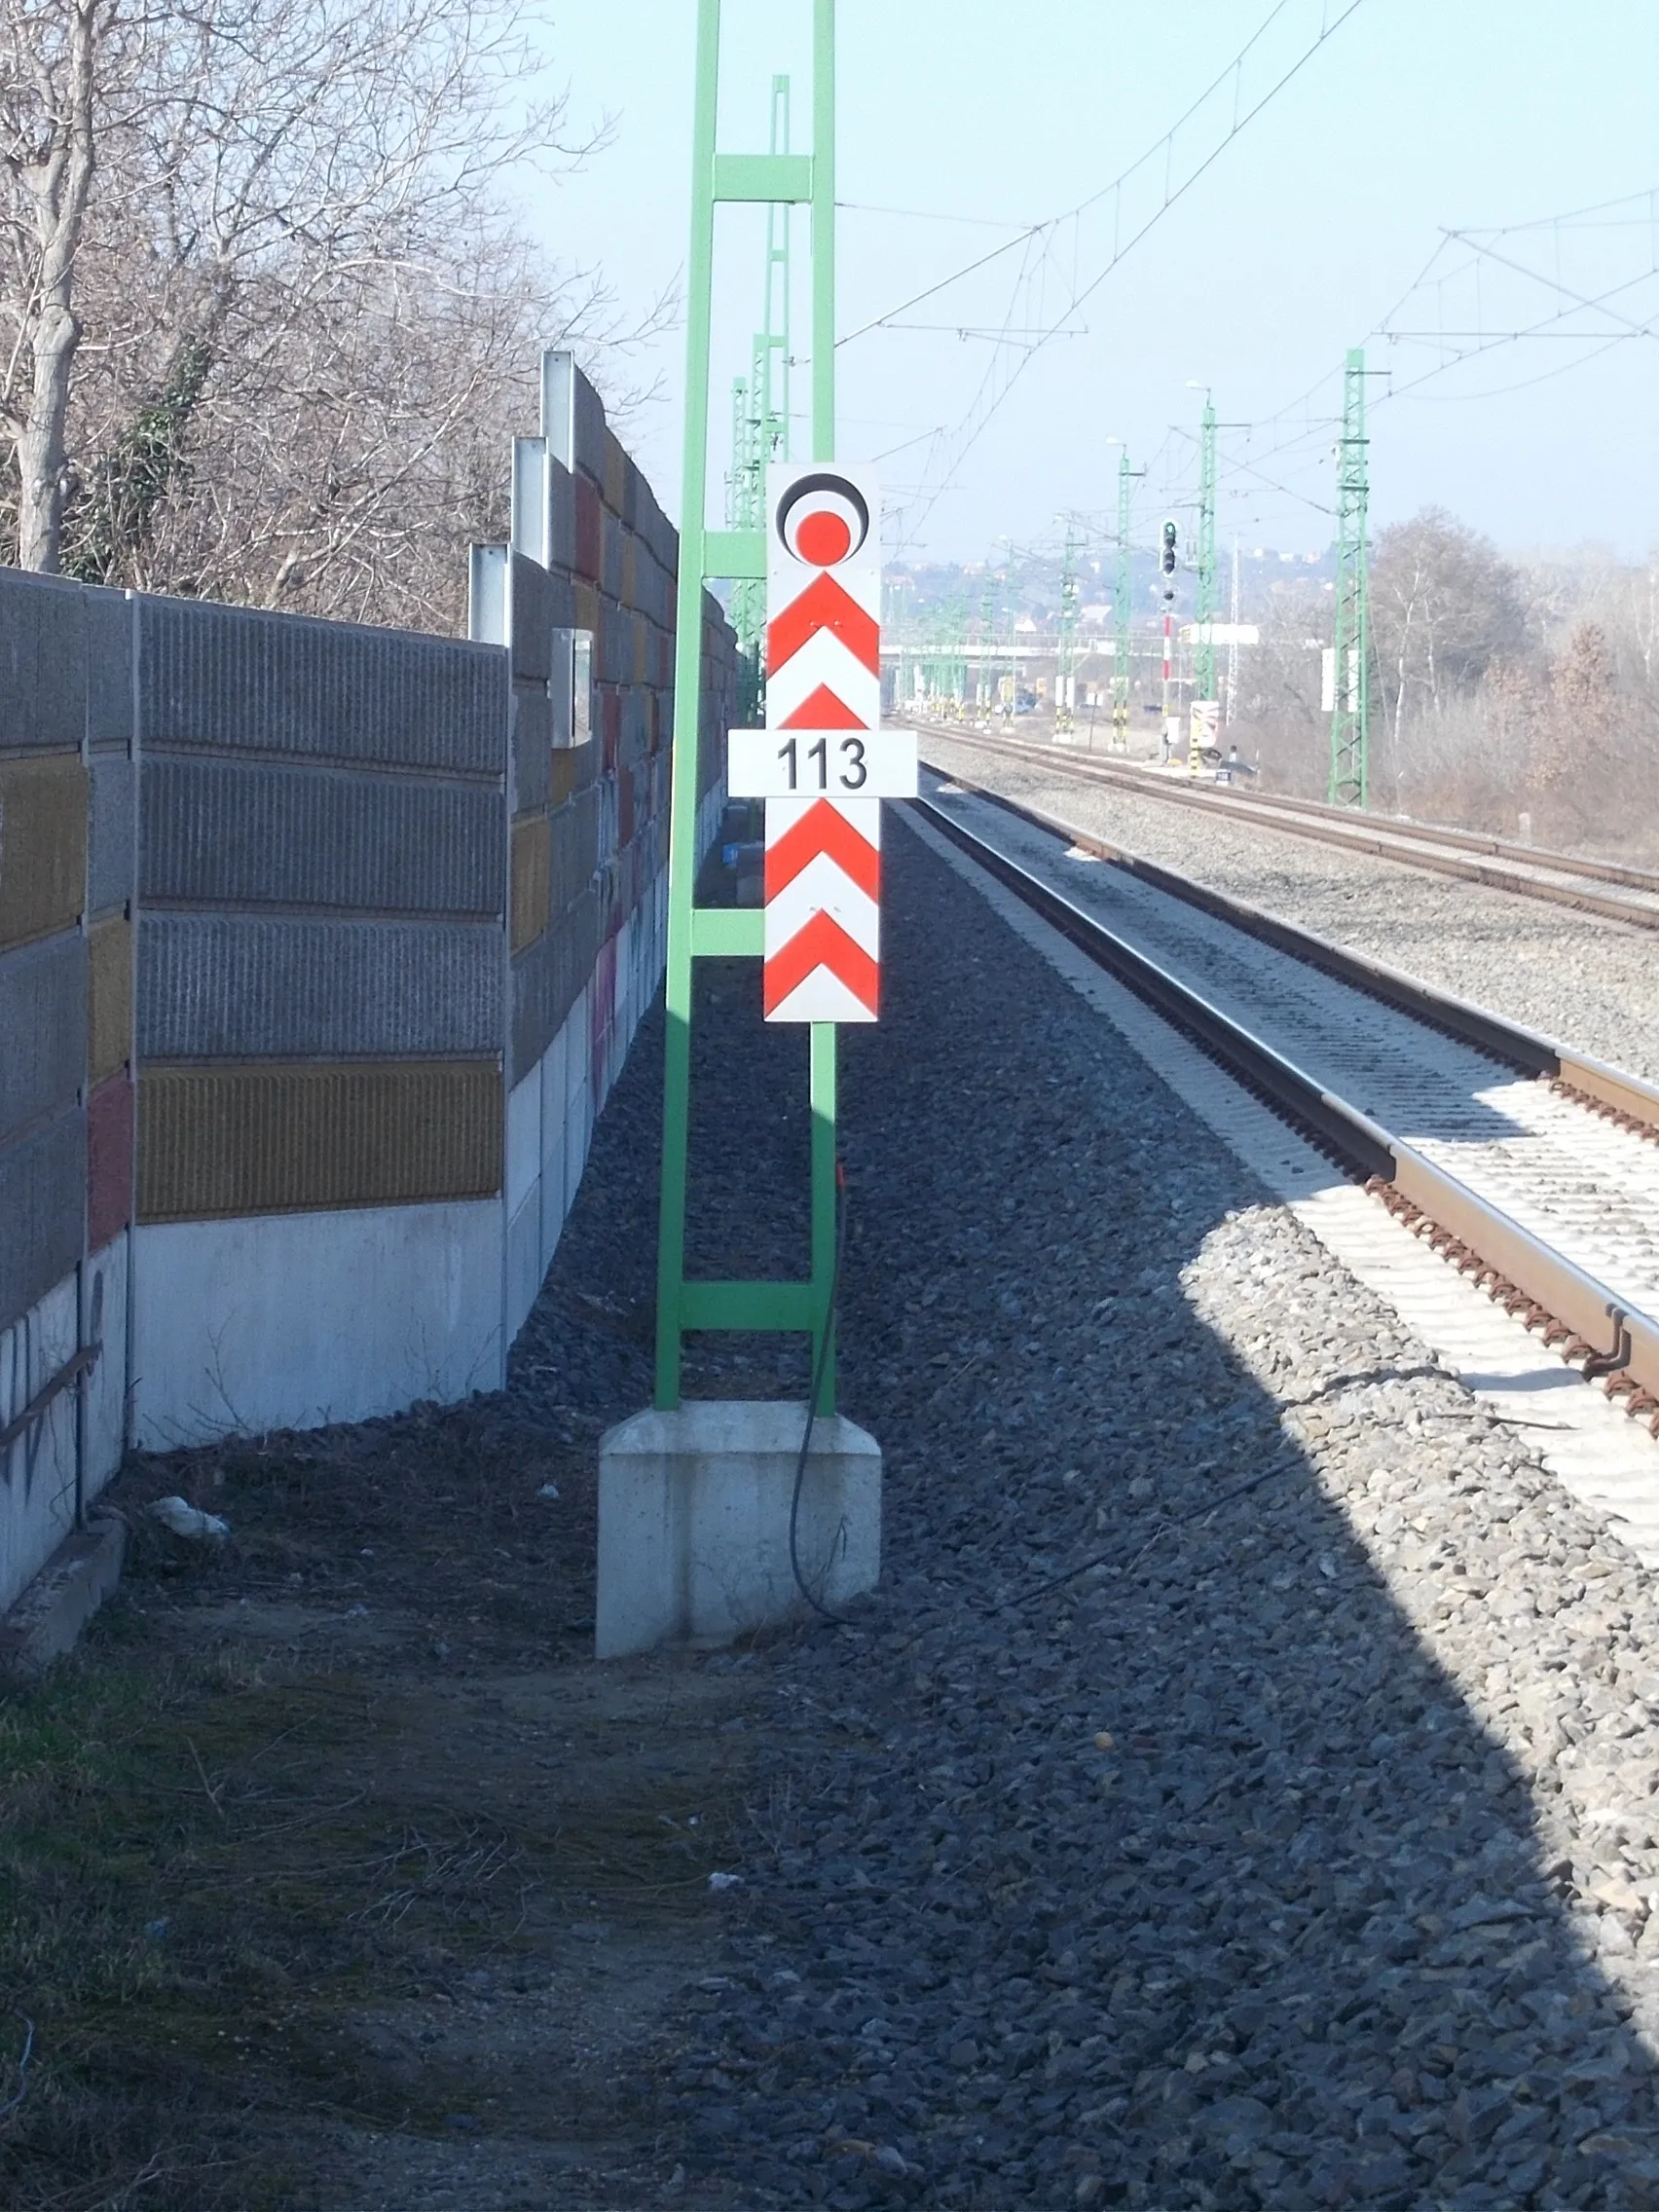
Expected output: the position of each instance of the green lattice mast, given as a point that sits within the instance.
(1065, 642)
(771, 359)
(1350, 713)
(743, 512)
(720, 932)
(761, 423)
(1204, 667)
(1124, 603)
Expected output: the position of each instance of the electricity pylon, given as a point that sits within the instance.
(1204, 667)
(1350, 713)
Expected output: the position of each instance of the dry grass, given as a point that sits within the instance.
(288, 1788)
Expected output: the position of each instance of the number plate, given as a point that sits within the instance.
(832, 763)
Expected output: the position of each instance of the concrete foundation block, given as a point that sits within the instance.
(47, 1620)
(694, 1522)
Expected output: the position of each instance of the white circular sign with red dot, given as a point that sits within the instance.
(823, 519)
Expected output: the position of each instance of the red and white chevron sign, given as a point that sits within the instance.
(822, 764)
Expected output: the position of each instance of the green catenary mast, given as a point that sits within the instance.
(702, 932)
(1350, 713)
(1066, 643)
(1123, 604)
(772, 340)
(760, 421)
(1204, 613)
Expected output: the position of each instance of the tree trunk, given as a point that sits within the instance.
(41, 457)
(59, 187)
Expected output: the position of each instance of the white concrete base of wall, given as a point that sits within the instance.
(694, 1522)
(295, 1320)
(37, 1475)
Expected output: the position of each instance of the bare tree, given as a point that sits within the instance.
(55, 58)
(1443, 607)
(306, 318)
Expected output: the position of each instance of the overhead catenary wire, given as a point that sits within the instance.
(1001, 376)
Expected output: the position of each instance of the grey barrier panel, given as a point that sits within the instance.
(532, 625)
(561, 516)
(590, 431)
(110, 839)
(232, 680)
(42, 1031)
(109, 619)
(224, 832)
(562, 599)
(43, 663)
(533, 742)
(250, 986)
(546, 978)
(43, 1203)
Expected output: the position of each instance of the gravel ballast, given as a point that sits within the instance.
(1593, 984)
(1295, 1852)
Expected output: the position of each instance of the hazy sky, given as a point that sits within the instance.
(1305, 232)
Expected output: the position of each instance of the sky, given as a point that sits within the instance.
(962, 120)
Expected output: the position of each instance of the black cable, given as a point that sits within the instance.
(826, 1341)
(1180, 1520)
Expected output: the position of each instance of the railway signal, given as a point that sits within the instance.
(822, 764)
(1171, 726)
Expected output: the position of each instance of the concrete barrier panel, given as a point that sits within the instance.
(235, 680)
(43, 847)
(43, 663)
(225, 832)
(223, 1141)
(532, 746)
(111, 620)
(42, 1031)
(530, 908)
(111, 1139)
(112, 843)
(43, 1206)
(531, 621)
(246, 986)
(109, 997)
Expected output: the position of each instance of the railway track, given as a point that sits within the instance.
(1533, 1168)
(1563, 879)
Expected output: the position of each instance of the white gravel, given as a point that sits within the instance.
(1593, 984)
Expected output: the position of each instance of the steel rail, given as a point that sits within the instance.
(1612, 1339)
(1336, 826)
(1622, 1096)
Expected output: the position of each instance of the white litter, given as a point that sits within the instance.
(725, 1881)
(186, 1520)
(548, 1490)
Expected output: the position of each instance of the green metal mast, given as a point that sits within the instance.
(1122, 603)
(717, 931)
(743, 512)
(772, 340)
(1204, 667)
(1351, 714)
(761, 423)
(1065, 644)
